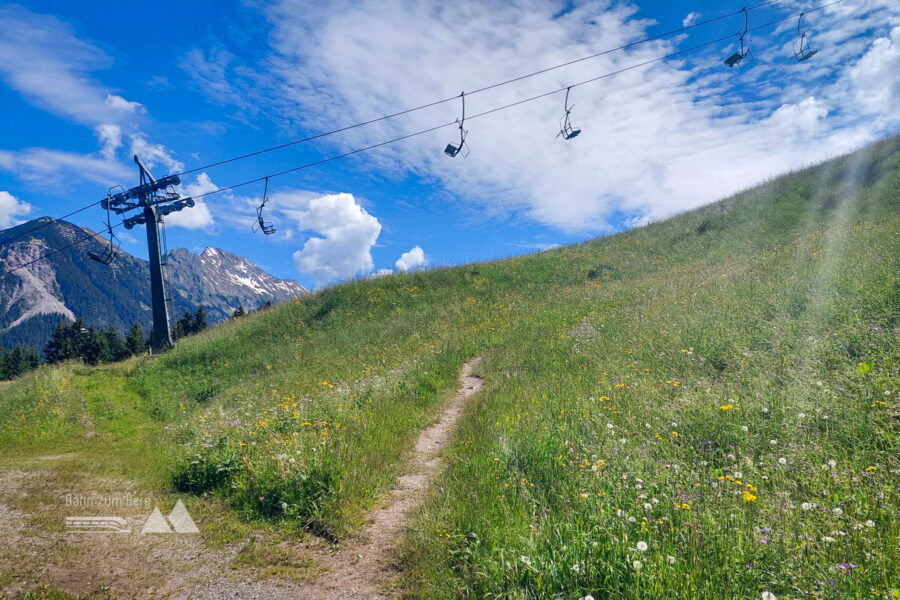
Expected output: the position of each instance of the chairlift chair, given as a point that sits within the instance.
(261, 224)
(804, 52)
(111, 249)
(565, 125)
(462, 148)
(744, 51)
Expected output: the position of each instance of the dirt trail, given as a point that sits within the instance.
(181, 567)
(363, 570)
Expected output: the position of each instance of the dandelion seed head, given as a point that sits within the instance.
(642, 546)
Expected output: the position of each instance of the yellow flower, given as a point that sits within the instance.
(268, 367)
(326, 384)
(684, 506)
(674, 434)
(726, 407)
(748, 497)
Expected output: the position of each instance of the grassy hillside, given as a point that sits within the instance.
(705, 407)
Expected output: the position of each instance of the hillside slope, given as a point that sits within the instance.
(706, 407)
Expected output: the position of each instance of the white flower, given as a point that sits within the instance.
(765, 409)
(576, 568)
(828, 539)
(525, 560)
(648, 506)
(609, 425)
(745, 428)
(768, 596)
(838, 512)
(870, 523)
(588, 597)
(806, 506)
(670, 559)
(832, 463)
(620, 513)
(647, 425)
(674, 424)
(654, 500)
(623, 441)
(642, 546)
(637, 565)
(738, 475)
(631, 519)
(773, 442)
(284, 506)
(782, 461)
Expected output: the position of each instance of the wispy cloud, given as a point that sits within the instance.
(655, 140)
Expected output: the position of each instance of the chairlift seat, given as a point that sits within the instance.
(571, 134)
(806, 56)
(734, 59)
(452, 150)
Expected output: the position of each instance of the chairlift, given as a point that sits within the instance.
(744, 52)
(111, 249)
(565, 125)
(804, 52)
(463, 148)
(261, 224)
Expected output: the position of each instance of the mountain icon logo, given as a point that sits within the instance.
(179, 518)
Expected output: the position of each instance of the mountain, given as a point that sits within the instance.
(69, 284)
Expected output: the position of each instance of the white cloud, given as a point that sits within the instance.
(381, 273)
(692, 18)
(154, 154)
(410, 260)
(876, 77)
(43, 59)
(119, 103)
(346, 234)
(110, 136)
(657, 140)
(54, 168)
(198, 216)
(11, 208)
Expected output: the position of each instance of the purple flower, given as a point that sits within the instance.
(849, 566)
(763, 540)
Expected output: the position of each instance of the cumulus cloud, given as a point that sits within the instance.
(154, 154)
(876, 77)
(10, 209)
(198, 216)
(411, 260)
(656, 140)
(345, 232)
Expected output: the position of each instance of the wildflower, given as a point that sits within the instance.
(871, 468)
(588, 597)
(648, 506)
(642, 546)
(268, 367)
(638, 565)
(576, 568)
(828, 539)
(767, 595)
(838, 512)
(748, 497)
(870, 523)
(670, 559)
(773, 442)
(745, 428)
(765, 409)
(806, 506)
(782, 461)
(832, 463)
(632, 520)
(284, 506)
(726, 407)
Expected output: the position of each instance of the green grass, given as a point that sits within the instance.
(723, 386)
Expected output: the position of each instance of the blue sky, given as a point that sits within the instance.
(85, 85)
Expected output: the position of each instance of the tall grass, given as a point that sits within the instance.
(703, 407)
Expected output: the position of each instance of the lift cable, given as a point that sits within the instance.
(442, 126)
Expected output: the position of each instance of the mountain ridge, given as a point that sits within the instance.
(69, 285)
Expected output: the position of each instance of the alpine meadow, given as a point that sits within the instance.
(703, 407)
